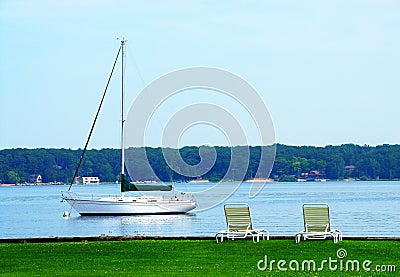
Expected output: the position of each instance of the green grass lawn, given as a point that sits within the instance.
(193, 257)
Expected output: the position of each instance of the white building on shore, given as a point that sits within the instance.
(91, 180)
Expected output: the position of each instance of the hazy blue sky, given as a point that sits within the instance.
(327, 70)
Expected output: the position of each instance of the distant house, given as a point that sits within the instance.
(351, 171)
(91, 180)
(35, 179)
(312, 176)
(350, 167)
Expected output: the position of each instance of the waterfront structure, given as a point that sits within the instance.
(91, 180)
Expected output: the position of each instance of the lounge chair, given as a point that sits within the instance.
(317, 223)
(238, 221)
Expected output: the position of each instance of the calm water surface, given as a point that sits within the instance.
(357, 208)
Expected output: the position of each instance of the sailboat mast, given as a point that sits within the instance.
(122, 109)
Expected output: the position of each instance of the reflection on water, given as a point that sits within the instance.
(140, 225)
(357, 208)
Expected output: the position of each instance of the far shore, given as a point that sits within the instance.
(254, 180)
(32, 184)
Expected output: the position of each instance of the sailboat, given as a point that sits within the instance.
(92, 205)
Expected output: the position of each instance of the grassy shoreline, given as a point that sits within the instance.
(191, 257)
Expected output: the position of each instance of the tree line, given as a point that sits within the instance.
(291, 163)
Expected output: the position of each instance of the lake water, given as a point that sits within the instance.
(357, 208)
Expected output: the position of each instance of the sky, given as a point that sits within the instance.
(328, 71)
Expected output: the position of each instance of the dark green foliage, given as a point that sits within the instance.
(58, 164)
(370, 163)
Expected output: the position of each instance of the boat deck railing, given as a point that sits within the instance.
(91, 196)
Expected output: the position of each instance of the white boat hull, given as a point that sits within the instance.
(130, 206)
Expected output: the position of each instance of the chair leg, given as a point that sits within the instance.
(267, 235)
(257, 237)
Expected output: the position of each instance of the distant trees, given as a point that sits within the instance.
(380, 162)
(334, 162)
(12, 177)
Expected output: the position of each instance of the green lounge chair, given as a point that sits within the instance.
(317, 223)
(238, 221)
